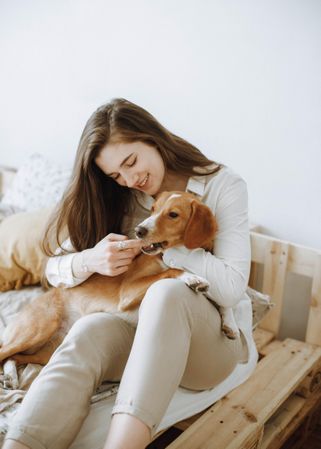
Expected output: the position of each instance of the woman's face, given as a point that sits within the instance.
(135, 165)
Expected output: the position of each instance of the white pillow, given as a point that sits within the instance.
(38, 184)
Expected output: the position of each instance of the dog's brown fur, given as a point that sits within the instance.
(41, 326)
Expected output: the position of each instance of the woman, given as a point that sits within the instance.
(125, 158)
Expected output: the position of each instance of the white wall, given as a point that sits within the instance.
(239, 79)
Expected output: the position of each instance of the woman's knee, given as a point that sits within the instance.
(168, 293)
(100, 331)
(103, 340)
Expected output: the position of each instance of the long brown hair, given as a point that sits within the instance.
(93, 204)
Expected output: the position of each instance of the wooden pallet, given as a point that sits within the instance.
(283, 396)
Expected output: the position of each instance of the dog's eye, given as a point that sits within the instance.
(173, 215)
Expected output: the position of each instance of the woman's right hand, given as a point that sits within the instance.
(108, 257)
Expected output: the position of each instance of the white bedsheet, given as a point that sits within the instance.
(185, 403)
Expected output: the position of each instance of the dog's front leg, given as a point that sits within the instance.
(229, 326)
(133, 290)
(10, 375)
(195, 282)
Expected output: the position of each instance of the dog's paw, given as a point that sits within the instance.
(230, 332)
(196, 283)
(10, 375)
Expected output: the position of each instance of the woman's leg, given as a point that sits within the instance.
(126, 431)
(13, 444)
(53, 410)
(178, 342)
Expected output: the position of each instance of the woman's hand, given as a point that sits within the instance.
(112, 255)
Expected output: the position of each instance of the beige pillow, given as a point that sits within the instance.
(21, 257)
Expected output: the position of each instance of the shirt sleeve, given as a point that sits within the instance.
(227, 270)
(59, 268)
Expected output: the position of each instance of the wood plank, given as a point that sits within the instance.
(312, 382)
(253, 275)
(186, 423)
(274, 277)
(262, 337)
(280, 421)
(272, 346)
(287, 419)
(313, 333)
(243, 411)
(301, 258)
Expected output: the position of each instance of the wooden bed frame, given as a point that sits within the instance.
(281, 402)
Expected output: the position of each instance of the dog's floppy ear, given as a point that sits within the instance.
(201, 227)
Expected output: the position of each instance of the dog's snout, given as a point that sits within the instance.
(141, 231)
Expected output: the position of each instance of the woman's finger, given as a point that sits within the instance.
(123, 262)
(120, 270)
(127, 254)
(115, 237)
(123, 245)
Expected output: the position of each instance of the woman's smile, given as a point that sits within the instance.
(144, 182)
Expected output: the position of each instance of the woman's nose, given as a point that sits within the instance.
(130, 179)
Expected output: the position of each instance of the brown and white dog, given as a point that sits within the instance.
(178, 218)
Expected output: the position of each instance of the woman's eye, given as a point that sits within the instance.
(173, 215)
(132, 162)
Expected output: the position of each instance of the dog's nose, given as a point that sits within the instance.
(141, 232)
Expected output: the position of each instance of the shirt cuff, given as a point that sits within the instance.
(59, 272)
(65, 270)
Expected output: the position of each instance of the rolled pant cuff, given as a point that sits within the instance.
(144, 416)
(24, 438)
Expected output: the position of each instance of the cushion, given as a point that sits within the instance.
(261, 304)
(21, 257)
(38, 184)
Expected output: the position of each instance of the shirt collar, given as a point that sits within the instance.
(195, 184)
(144, 200)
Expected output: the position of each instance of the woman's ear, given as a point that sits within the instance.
(201, 227)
